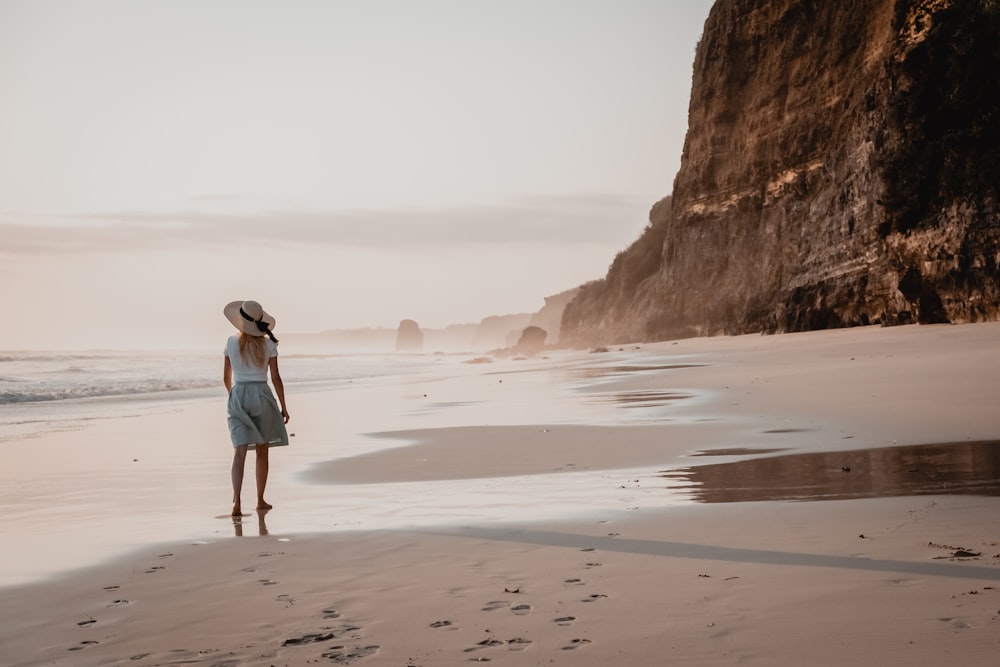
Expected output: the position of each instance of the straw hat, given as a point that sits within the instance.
(249, 317)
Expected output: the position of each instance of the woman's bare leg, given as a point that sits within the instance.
(262, 466)
(239, 459)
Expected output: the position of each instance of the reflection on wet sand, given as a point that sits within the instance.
(591, 372)
(738, 451)
(646, 399)
(645, 405)
(261, 523)
(970, 468)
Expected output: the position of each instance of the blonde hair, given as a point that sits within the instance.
(253, 350)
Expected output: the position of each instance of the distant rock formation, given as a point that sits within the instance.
(409, 338)
(453, 338)
(532, 341)
(493, 332)
(497, 330)
(841, 168)
(550, 316)
(339, 340)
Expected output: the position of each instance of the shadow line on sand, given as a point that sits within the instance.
(730, 554)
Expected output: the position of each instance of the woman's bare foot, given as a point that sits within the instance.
(261, 505)
(237, 511)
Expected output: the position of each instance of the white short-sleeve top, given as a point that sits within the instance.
(248, 373)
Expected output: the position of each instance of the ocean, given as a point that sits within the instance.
(39, 387)
(30, 377)
(106, 451)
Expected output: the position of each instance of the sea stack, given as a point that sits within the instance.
(409, 337)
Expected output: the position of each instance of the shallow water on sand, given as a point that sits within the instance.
(969, 468)
(88, 479)
(107, 476)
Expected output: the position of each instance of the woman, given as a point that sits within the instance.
(255, 420)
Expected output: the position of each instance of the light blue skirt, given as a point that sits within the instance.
(254, 416)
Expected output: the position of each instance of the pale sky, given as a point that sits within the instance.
(345, 163)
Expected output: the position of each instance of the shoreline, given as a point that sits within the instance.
(434, 532)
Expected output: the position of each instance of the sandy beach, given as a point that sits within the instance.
(823, 498)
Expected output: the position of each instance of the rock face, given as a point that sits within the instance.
(500, 330)
(550, 315)
(409, 338)
(532, 340)
(840, 168)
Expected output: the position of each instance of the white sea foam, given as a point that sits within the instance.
(32, 377)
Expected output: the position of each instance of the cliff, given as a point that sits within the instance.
(491, 333)
(549, 317)
(840, 168)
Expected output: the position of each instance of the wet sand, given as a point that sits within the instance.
(570, 510)
(966, 468)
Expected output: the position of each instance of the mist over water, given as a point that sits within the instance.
(31, 377)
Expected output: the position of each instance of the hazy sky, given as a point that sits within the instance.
(345, 163)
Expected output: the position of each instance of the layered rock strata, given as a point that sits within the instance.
(840, 168)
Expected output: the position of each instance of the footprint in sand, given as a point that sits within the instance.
(286, 598)
(493, 605)
(589, 549)
(249, 569)
(595, 597)
(565, 620)
(155, 568)
(308, 639)
(342, 655)
(575, 644)
(440, 624)
(593, 565)
(82, 645)
(521, 609)
(112, 588)
(486, 643)
(266, 582)
(575, 582)
(518, 643)
(331, 613)
(119, 603)
(166, 555)
(89, 621)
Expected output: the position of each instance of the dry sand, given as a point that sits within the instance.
(604, 559)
